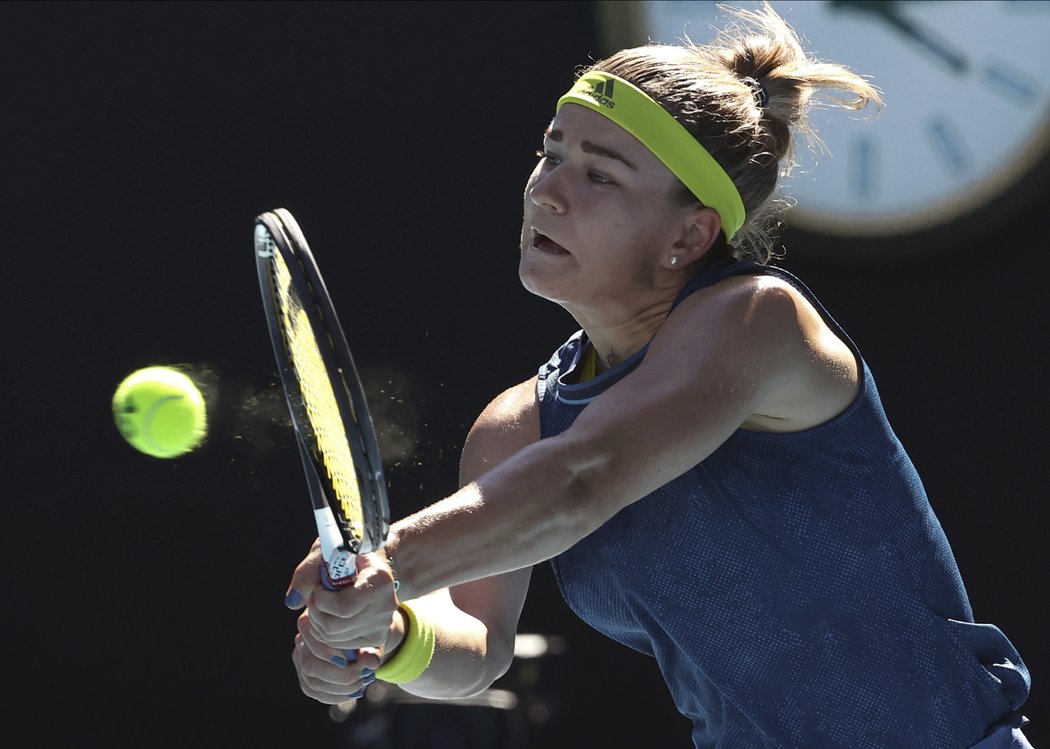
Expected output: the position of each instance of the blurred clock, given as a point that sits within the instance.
(963, 141)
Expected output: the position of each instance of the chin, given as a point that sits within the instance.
(535, 280)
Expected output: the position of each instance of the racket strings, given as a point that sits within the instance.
(319, 401)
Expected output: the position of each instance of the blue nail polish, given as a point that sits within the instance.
(369, 679)
(351, 655)
(366, 672)
(341, 662)
(356, 695)
(293, 600)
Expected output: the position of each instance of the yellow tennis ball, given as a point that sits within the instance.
(160, 411)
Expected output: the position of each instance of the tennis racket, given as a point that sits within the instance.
(333, 428)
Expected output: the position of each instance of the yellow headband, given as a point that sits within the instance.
(640, 115)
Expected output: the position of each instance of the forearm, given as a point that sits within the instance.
(525, 511)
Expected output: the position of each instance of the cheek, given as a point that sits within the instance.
(634, 245)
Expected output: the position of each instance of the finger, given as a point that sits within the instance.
(372, 591)
(317, 645)
(330, 676)
(345, 603)
(319, 679)
(305, 579)
(369, 629)
(374, 572)
(325, 681)
(341, 639)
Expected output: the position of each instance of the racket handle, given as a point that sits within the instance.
(345, 576)
(340, 565)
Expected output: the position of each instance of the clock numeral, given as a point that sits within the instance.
(863, 168)
(1010, 83)
(948, 144)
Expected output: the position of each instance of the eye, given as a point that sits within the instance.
(552, 161)
(550, 158)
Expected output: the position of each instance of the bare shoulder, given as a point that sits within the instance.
(783, 308)
(508, 423)
(511, 407)
(769, 297)
(764, 327)
(742, 314)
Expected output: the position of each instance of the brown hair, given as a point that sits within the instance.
(747, 125)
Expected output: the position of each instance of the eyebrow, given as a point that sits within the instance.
(589, 147)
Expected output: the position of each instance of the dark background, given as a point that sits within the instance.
(139, 141)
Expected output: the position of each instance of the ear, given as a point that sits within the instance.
(699, 231)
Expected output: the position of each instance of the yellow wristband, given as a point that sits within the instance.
(417, 648)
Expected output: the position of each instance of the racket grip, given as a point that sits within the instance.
(336, 583)
(340, 564)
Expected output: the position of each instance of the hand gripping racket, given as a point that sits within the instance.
(333, 428)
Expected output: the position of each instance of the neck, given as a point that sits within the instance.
(618, 330)
(615, 343)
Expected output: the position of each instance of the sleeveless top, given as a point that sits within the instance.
(796, 590)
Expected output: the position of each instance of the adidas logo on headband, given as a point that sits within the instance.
(603, 94)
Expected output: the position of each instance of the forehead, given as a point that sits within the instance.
(577, 124)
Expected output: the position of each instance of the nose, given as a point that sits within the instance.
(546, 189)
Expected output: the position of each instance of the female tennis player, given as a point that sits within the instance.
(706, 463)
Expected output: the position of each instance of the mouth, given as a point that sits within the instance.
(543, 243)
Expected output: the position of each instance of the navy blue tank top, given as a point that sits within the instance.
(796, 589)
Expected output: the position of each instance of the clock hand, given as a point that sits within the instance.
(890, 12)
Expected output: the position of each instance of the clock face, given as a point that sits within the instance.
(967, 105)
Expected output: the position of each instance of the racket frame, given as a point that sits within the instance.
(339, 547)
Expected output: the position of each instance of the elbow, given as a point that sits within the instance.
(500, 662)
(492, 671)
(499, 657)
(590, 500)
(582, 486)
